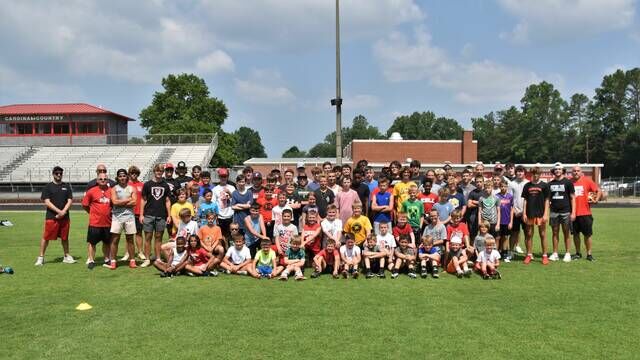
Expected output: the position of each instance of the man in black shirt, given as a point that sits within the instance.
(182, 180)
(155, 210)
(101, 168)
(168, 178)
(324, 196)
(473, 202)
(562, 210)
(57, 197)
(362, 189)
(536, 213)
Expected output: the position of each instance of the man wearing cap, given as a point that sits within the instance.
(182, 180)
(168, 178)
(562, 210)
(583, 223)
(300, 169)
(222, 197)
(256, 185)
(100, 169)
(57, 197)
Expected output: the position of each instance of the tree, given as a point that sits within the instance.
(360, 129)
(425, 126)
(136, 140)
(322, 150)
(249, 144)
(294, 152)
(225, 155)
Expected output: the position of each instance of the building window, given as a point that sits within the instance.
(24, 129)
(61, 128)
(43, 128)
(88, 127)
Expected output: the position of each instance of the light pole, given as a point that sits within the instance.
(337, 102)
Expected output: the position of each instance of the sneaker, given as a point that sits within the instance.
(369, 274)
(145, 263)
(107, 265)
(164, 274)
(213, 273)
(467, 273)
(141, 256)
(518, 250)
(91, 265)
(336, 276)
(132, 264)
(284, 277)
(125, 257)
(355, 274)
(344, 274)
(68, 259)
(381, 274)
(434, 273)
(459, 274)
(545, 260)
(567, 257)
(241, 272)
(527, 260)
(554, 257)
(486, 276)
(395, 275)
(590, 258)
(424, 274)
(113, 265)
(300, 277)
(315, 275)
(576, 256)
(507, 259)
(412, 275)
(497, 275)
(39, 261)
(470, 263)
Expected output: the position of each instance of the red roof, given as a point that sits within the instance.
(56, 109)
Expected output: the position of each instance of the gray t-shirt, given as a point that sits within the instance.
(437, 232)
(489, 206)
(122, 213)
(479, 242)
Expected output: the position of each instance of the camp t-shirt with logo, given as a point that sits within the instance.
(536, 195)
(156, 194)
(58, 194)
(561, 191)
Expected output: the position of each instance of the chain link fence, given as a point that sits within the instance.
(618, 187)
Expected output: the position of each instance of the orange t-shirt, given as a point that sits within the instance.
(583, 187)
(208, 235)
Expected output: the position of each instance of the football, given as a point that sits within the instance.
(592, 197)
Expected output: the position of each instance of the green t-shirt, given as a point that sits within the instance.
(373, 249)
(295, 255)
(414, 211)
(265, 259)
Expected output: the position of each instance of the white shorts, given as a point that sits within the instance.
(117, 226)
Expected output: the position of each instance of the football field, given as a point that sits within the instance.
(579, 310)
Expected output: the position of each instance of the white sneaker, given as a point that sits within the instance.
(241, 272)
(141, 256)
(88, 261)
(567, 257)
(39, 261)
(125, 257)
(68, 259)
(145, 263)
(519, 250)
(554, 257)
(507, 259)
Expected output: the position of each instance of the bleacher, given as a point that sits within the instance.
(79, 162)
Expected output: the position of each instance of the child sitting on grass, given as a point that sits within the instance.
(327, 261)
(489, 260)
(186, 228)
(200, 261)
(429, 257)
(265, 261)
(176, 261)
(350, 257)
(387, 242)
(294, 260)
(374, 257)
(405, 258)
(211, 237)
(457, 258)
(403, 228)
(238, 259)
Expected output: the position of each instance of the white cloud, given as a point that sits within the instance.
(474, 82)
(566, 19)
(20, 86)
(216, 61)
(264, 86)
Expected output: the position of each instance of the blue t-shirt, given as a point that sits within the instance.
(383, 198)
(238, 198)
(506, 203)
(204, 208)
(433, 250)
(444, 210)
(313, 186)
(457, 200)
(372, 185)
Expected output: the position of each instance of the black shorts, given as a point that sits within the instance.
(98, 234)
(583, 225)
(517, 224)
(492, 230)
(504, 230)
(224, 225)
(329, 269)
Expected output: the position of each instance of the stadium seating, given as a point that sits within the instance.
(79, 162)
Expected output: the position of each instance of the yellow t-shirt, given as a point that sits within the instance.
(175, 211)
(401, 193)
(358, 228)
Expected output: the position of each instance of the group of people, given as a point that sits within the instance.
(342, 222)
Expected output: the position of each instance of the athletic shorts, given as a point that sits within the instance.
(517, 224)
(264, 270)
(583, 225)
(504, 229)
(117, 226)
(535, 221)
(56, 228)
(492, 230)
(329, 269)
(98, 234)
(138, 224)
(154, 223)
(559, 218)
(224, 225)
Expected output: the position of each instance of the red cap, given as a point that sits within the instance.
(169, 166)
(223, 172)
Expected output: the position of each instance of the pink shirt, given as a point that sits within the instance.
(344, 201)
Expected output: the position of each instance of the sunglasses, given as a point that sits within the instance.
(101, 171)
(232, 229)
(102, 179)
(57, 173)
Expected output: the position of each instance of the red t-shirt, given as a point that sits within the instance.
(137, 186)
(99, 203)
(314, 245)
(266, 206)
(329, 258)
(405, 230)
(198, 256)
(460, 230)
(583, 187)
(427, 201)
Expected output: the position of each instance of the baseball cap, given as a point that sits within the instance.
(257, 175)
(447, 166)
(223, 172)
(57, 168)
(168, 166)
(300, 165)
(456, 240)
(498, 166)
(181, 165)
(558, 166)
(121, 171)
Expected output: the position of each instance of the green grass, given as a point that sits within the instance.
(576, 310)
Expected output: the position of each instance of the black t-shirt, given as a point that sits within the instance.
(58, 194)
(472, 213)
(536, 195)
(94, 183)
(155, 193)
(323, 199)
(182, 181)
(173, 186)
(363, 193)
(561, 191)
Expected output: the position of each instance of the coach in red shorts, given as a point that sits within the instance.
(57, 197)
(583, 224)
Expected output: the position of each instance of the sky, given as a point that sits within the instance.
(272, 62)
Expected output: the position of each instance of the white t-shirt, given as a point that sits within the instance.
(332, 227)
(516, 188)
(488, 257)
(223, 200)
(188, 229)
(346, 253)
(238, 256)
(276, 213)
(386, 241)
(177, 257)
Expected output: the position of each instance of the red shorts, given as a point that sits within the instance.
(280, 259)
(56, 228)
